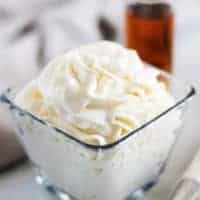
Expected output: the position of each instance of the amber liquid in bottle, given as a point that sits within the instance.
(149, 30)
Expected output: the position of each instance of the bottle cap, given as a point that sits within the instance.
(149, 1)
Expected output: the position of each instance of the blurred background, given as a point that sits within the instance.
(33, 32)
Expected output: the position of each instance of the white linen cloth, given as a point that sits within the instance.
(53, 27)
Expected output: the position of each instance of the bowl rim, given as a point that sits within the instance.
(4, 98)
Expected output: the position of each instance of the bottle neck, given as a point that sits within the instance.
(149, 1)
(154, 10)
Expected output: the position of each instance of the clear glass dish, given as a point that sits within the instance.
(73, 169)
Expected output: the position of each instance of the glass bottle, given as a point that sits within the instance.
(149, 28)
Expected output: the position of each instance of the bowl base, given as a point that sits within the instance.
(42, 180)
(140, 194)
(50, 188)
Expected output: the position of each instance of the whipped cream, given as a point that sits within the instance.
(97, 93)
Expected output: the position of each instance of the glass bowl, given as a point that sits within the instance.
(73, 169)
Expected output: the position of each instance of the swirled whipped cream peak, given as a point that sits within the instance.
(97, 93)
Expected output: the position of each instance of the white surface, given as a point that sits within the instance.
(20, 184)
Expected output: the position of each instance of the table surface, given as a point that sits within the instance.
(19, 183)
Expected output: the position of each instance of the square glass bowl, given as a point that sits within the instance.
(73, 169)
